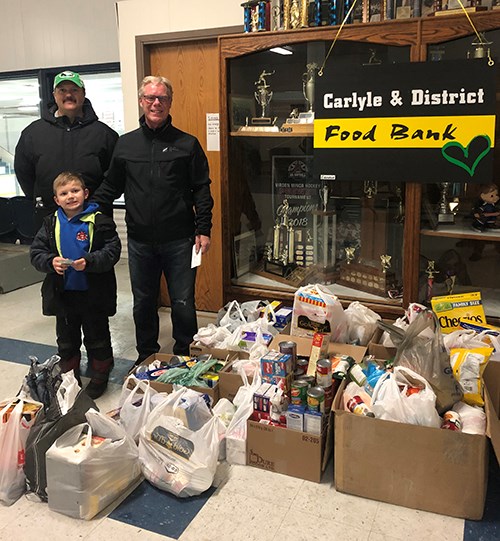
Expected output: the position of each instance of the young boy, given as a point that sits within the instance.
(77, 247)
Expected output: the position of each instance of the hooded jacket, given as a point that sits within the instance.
(104, 253)
(51, 145)
(165, 178)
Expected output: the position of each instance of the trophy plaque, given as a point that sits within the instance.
(263, 96)
(364, 277)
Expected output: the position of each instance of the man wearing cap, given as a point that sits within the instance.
(68, 137)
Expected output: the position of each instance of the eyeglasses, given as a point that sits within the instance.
(152, 99)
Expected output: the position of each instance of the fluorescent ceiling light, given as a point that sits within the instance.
(281, 50)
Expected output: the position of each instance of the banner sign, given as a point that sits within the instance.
(418, 122)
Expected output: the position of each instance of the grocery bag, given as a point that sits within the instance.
(89, 466)
(173, 457)
(316, 309)
(135, 405)
(17, 416)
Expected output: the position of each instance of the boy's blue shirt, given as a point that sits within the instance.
(75, 238)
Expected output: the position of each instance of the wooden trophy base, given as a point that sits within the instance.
(324, 275)
(296, 278)
(365, 278)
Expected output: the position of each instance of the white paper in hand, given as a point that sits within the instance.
(195, 257)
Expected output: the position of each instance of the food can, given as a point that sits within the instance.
(302, 365)
(329, 394)
(358, 407)
(298, 392)
(452, 421)
(340, 366)
(290, 348)
(310, 379)
(316, 399)
(324, 373)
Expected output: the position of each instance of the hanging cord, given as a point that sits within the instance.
(320, 72)
(491, 62)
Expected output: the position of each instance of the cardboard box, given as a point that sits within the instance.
(377, 349)
(491, 377)
(304, 346)
(435, 470)
(287, 451)
(212, 392)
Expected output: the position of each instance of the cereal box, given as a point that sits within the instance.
(451, 309)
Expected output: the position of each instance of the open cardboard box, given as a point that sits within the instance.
(424, 468)
(212, 392)
(376, 348)
(304, 346)
(229, 382)
(291, 452)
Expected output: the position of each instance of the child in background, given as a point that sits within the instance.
(78, 247)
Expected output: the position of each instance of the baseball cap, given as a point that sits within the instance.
(70, 76)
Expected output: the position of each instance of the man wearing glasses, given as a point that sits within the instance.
(163, 173)
(68, 137)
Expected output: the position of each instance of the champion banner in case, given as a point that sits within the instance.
(418, 122)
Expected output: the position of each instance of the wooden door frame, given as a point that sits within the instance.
(142, 43)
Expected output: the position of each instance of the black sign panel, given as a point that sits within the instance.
(420, 122)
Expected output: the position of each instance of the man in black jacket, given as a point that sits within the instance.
(164, 175)
(68, 137)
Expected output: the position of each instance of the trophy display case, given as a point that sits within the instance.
(460, 222)
(366, 240)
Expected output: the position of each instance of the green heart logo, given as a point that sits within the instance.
(479, 140)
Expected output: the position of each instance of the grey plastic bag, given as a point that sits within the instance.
(427, 356)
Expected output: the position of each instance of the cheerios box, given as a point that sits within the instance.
(451, 309)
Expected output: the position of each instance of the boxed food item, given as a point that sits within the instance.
(451, 309)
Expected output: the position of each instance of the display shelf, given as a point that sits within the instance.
(256, 176)
(462, 232)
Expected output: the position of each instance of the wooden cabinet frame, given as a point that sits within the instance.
(418, 34)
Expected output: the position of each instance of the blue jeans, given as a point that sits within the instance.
(146, 263)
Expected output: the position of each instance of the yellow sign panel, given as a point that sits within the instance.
(401, 132)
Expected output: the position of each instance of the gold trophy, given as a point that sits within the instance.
(303, 122)
(279, 259)
(385, 261)
(263, 96)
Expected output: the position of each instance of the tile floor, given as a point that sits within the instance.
(247, 503)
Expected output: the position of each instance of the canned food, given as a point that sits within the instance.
(298, 392)
(310, 379)
(358, 407)
(302, 365)
(341, 365)
(452, 421)
(357, 375)
(324, 373)
(290, 348)
(329, 394)
(316, 399)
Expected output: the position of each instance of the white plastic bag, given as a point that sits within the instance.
(236, 434)
(224, 410)
(233, 316)
(362, 323)
(135, 405)
(391, 400)
(89, 466)
(316, 309)
(14, 432)
(176, 459)
(67, 392)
